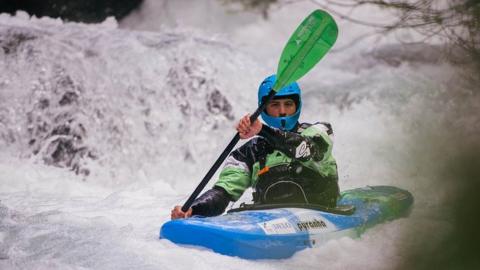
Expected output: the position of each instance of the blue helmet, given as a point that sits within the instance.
(291, 91)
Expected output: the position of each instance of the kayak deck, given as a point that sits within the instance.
(280, 232)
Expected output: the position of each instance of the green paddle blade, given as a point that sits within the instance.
(308, 44)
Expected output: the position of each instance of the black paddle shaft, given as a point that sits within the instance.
(224, 154)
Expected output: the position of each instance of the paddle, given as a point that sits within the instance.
(312, 39)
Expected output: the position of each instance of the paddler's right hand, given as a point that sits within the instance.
(246, 129)
(178, 213)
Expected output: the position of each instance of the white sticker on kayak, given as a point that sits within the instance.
(313, 223)
(277, 226)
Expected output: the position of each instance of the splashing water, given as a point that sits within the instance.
(103, 130)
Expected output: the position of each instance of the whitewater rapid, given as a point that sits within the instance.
(103, 130)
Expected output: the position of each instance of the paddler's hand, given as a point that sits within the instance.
(246, 129)
(178, 213)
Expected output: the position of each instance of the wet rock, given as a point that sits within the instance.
(13, 39)
(218, 104)
(68, 98)
(395, 55)
(55, 123)
(189, 84)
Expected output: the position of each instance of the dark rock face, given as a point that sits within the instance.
(10, 41)
(89, 11)
(56, 126)
(189, 83)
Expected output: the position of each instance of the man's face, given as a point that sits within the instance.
(281, 107)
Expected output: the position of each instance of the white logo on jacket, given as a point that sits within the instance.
(302, 150)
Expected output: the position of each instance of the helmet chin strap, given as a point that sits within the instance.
(284, 123)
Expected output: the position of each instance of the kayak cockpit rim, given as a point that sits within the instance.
(344, 209)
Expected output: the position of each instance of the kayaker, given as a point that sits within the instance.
(285, 161)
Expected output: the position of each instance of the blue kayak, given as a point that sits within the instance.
(269, 232)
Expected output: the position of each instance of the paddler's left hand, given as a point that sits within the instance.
(246, 129)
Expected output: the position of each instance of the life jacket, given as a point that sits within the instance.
(294, 183)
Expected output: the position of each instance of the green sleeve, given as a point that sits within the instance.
(235, 181)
